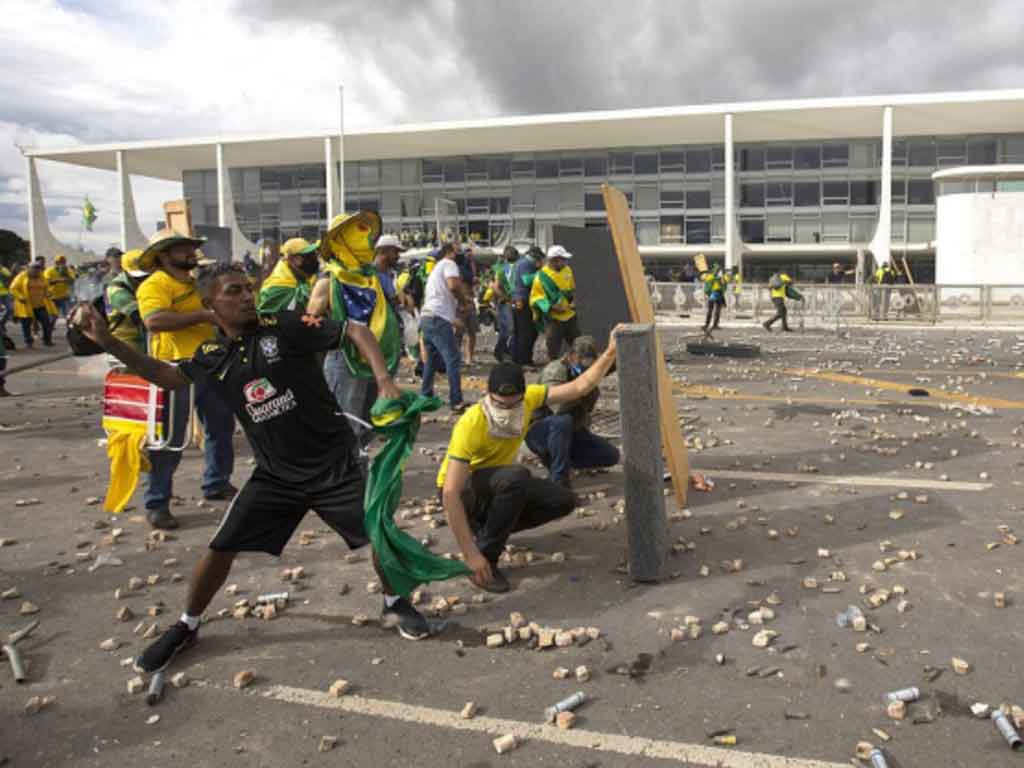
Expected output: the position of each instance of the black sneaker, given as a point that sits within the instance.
(161, 519)
(410, 623)
(226, 493)
(172, 642)
(498, 584)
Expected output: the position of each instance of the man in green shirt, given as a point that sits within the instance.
(503, 289)
(289, 286)
(123, 306)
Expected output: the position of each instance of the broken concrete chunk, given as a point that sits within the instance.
(505, 743)
(124, 613)
(720, 628)
(110, 644)
(495, 640)
(28, 608)
(565, 720)
(136, 684)
(244, 678)
(179, 680)
(582, 673)
(999, 599)
(468, 711)
(327, 743)
(37, 704)
(10, 594)
(960, 666)
(563, 639)
(897, 710)
(560, 673)
(764, 638)
(339, 688)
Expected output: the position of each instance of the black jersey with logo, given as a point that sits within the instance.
(271, 378)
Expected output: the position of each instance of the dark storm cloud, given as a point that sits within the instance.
(534, 56)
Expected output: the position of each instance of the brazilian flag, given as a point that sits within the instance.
(356, 293)
(88, 214)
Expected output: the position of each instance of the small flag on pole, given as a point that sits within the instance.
(88, 214)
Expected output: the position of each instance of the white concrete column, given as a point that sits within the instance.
(131, 234)
(731, 251)
(881, 243)
(122, 202)
(341, 149)
(222, 182)
(329, 177)
(31, 192)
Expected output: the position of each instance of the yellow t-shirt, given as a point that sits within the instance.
(470, 441)
(161, 292)
(59, 281)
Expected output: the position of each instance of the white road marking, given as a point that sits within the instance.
(634, 746)
(862, 481)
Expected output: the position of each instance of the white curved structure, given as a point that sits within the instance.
(131, 233)
(980, 225)
(42, 240)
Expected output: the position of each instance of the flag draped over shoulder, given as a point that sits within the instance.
(356, 293)
(404, 561)
(283, 290)
(551, 294)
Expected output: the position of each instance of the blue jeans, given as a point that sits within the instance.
(219, 427)
(506, 325)
(560, 447)
(63, 305)
(355, 396)
(439, 340)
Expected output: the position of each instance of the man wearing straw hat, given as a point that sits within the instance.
(173, 314)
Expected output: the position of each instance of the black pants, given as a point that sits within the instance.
(502, 500)
(525, 334)
(780, 313)
(713, 314)
(559, 333)
(45, 322)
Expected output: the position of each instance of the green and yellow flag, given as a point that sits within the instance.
(88, 214)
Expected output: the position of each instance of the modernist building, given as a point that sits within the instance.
(802, 183)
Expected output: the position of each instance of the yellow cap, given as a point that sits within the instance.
(297, 245)
(131, 262)
(61, 259)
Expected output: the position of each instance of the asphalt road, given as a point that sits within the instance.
(933, 476)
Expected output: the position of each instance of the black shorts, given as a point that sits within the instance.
(266, 512)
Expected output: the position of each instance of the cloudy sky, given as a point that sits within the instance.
(81, 71)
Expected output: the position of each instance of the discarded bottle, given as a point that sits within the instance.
(904, 694)
(273, 597)
(565, 705)
(847, 617)
(877, 759)
(1006, 728)
(156, 688)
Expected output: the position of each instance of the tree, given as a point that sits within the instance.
(13, 249)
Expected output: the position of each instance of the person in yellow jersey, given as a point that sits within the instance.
(288, 287)
(32, 304)
(60, 282)
(178, 324)
(782, 288)
(487, 496)
(715, 281)
(553, 300)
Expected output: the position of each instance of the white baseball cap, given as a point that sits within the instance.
(389, 241)
(558, 252)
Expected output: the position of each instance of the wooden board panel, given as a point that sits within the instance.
(601, 302)
(624, 237)
(178, 215)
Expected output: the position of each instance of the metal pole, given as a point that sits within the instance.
(341, 148)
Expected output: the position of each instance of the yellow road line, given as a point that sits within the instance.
(861, 481)
(591, 741)
(898, 386)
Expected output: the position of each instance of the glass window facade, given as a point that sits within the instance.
(802, 192)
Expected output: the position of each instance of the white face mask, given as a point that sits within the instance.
(503, 423)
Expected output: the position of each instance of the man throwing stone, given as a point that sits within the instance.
(487, 496)
(268, 369)
(560, 434)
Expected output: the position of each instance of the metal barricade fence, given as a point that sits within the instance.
(833, 305)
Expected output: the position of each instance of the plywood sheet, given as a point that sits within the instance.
(601, 302)
(631, 271)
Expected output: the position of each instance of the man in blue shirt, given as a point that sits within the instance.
(525, 331)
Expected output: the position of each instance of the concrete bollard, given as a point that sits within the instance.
(647, 533)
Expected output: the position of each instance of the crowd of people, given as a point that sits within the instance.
(299, 357)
